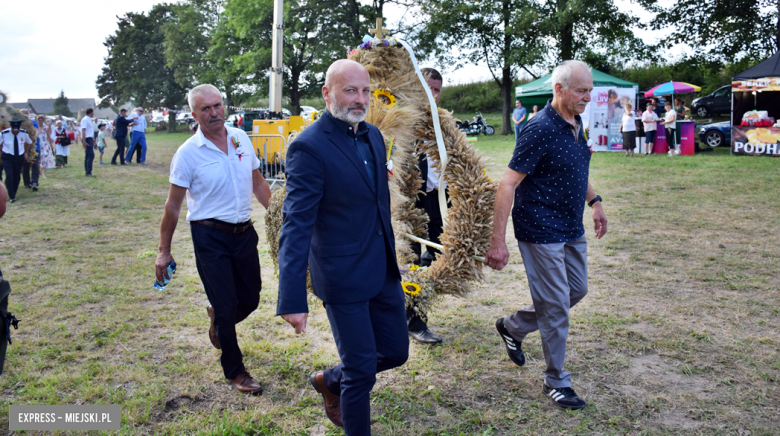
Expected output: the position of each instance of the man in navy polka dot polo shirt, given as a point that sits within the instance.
(548, 180)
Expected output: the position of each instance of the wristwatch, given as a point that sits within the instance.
(592, 202)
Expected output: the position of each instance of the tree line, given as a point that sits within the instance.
(155, 57)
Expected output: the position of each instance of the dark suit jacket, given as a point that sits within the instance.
(335, 222)
(121, 126)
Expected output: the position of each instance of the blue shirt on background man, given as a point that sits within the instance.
(37, 138)
(141, 120)
(550, 201)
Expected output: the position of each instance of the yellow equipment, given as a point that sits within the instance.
(273, 147)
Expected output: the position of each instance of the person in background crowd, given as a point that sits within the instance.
(659, 111)
(240, 121)
(640, 129)
(32, 167)
(46, 159)
(193, 127)
(428, 200)
(13, 141)
(534, 111)
(88, 141)
(628, 129)
(101, 141)
(649, 120)
(139, 137)
(670, 124)
(121, 123)
(680, 108)
(518, 117)
(59, 134)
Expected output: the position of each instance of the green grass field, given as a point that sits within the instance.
(678, 334)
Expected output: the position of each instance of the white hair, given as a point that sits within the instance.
(562, 73)
(198, 90)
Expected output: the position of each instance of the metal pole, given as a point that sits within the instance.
(275, 94)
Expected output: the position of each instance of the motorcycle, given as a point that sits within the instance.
(476, 126)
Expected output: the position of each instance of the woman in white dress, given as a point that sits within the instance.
(47, 153)
(62, 151)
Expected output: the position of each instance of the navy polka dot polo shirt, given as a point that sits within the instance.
(550, 201)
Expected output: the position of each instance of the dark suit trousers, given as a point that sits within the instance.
(120, 149)
(371, 337)
(34, 166)
(229, 267)
(13, 173)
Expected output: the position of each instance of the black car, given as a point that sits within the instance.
(717, 103)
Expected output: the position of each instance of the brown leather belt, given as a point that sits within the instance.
(237, 229)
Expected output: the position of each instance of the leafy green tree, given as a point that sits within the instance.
(313, 38)
(504, 35)
(61, 106)
(529, 35)
(200, 48)
(136, 69)
(726, 29)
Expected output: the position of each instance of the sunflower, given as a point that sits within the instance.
(414, 267)
(385, 97)
(411, 288)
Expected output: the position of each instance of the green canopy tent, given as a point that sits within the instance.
(540, 90)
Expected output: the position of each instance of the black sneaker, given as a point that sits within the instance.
(565, 398)
(513, 348)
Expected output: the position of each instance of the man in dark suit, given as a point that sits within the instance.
(120, 125)
(337, 223)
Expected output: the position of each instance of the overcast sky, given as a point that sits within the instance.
(41, 57)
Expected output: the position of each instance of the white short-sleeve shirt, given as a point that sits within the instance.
(88, 126)
(219, 186)
(671, 115)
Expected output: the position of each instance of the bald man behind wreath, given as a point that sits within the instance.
(337, 223)
(218, 170)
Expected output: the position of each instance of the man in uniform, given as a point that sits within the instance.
(13, 141)
(218, 171)
(337, 225)
(548, 179)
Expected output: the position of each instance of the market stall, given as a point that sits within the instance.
(603, 115)
(685, 129)
(755, 109)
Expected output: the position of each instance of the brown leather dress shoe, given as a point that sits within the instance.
(332, 402)
(246, 384)
(212, 329)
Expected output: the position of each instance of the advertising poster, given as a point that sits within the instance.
(606, 113)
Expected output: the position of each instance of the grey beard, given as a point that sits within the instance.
(343, 113)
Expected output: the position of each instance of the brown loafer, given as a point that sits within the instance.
(246, 384)
(212, 329)
(332, 402)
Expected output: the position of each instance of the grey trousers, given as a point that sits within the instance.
(558, 278)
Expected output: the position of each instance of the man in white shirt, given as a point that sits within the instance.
(217, 169)
(13, 141)
(649, 119)
(139, 137)
(670, 124)
(88, 141)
